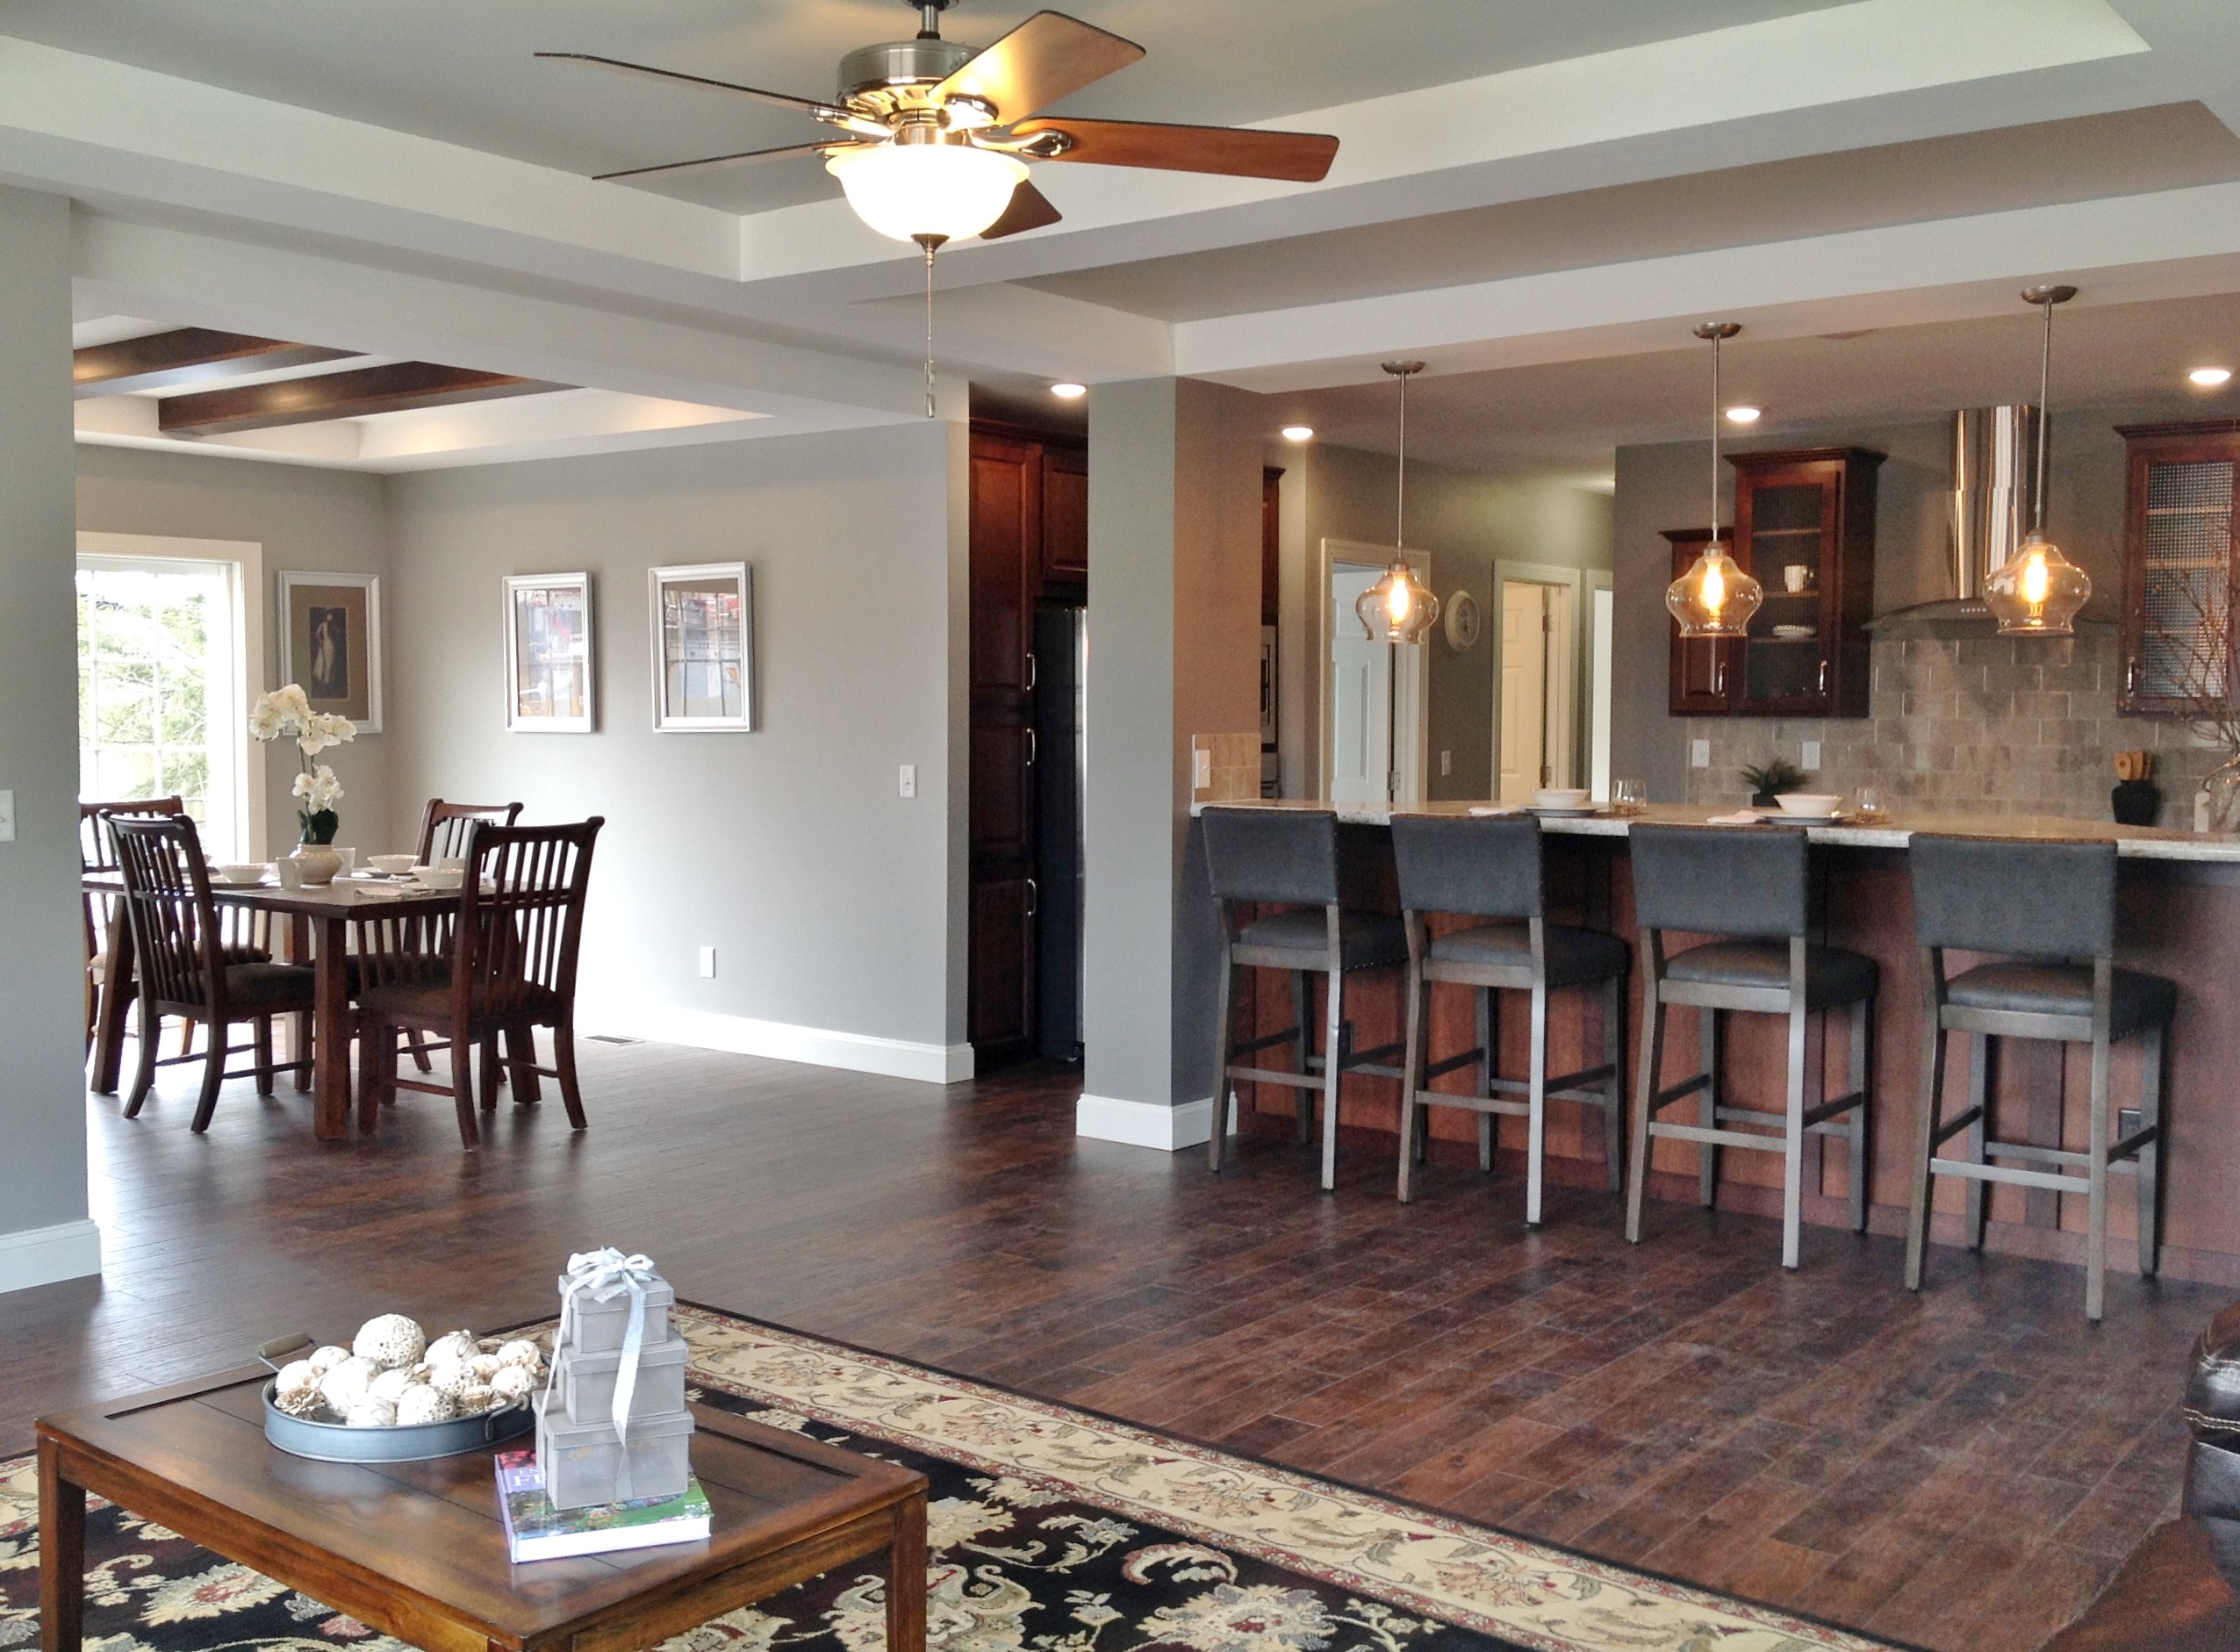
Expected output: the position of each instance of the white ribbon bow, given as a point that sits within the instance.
(602, 1275)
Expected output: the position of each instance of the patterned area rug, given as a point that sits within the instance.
(1050, 1530)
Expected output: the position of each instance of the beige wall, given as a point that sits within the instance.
(326, 521)
(1468, 521)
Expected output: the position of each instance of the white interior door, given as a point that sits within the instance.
(1598, 676)
(1360, 680)
(1524, 691)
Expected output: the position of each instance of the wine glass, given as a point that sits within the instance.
(1870, 803)
(1627, 797)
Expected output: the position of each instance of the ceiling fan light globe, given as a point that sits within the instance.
(2037, 591)
(906, 190)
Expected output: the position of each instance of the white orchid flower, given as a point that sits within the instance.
(319, 792)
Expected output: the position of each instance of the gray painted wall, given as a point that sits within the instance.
(1668, 485)
(828, 896)
(304, 519)
(42, 1084)
(1468, 521)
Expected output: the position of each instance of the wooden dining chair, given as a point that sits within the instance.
(444, 830)
(513, 968)
(180, 956)
(96, 854)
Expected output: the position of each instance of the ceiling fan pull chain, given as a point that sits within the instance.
(932, 244)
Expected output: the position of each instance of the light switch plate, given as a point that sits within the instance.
(909, 779)
(7, 817)
(1812, 757)
(1201, 769)
(1699, 754)
(708, 963)
(1447, 763)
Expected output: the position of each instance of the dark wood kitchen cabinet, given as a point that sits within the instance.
(2178, 571)
(1029, 546)
(1805, 527)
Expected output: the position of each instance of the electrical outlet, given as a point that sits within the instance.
(7, 817)
(909, 779)
(1699, 754)
(708, 963)
(1447, 763)
(1812, 757)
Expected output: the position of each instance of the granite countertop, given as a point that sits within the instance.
(2132, 843)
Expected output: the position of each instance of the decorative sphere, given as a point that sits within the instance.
(423, 1405)
(391, 1340)
(325, 1360)
(295, 1377)
(371, 1413)
(454, 1347)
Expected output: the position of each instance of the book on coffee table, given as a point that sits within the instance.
(534, 1530)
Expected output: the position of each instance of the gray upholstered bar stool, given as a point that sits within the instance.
(1748, 883)
(1493, 869)
(2049, 908)
(1305, 858)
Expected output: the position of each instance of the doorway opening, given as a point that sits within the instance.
(1361, 718)
(1535, 680)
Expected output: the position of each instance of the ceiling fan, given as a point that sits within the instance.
(936, 136)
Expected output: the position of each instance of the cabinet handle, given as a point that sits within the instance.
(1718, 678)
(1823, 676)
(1034, 898)
(2131, 676)
(1034, 748)
(1033, 673)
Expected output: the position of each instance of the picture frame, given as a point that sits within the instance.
(330, 643)
(551, 659)
(702, 620)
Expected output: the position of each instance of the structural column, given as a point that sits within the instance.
(1174, 619)
(45, 1234)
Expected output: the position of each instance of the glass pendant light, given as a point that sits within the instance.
(1717, 596)
(1399, 608)
(2037, 591)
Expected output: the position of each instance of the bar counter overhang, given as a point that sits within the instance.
(2178, 916)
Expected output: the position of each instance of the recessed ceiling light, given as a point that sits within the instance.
(1298, 433)
(1743, 413)
(1069, 391)
(2210, 377)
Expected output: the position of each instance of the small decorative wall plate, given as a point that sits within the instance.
(1464, 622)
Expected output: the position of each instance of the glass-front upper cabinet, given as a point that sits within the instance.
(1805, 525)
(2178, 573)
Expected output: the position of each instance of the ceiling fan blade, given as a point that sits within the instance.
(785, 100)
(745, 157)
(1037, 63)
(1029, 209)
(1243, 152)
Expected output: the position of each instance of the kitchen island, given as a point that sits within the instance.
(2178, 917)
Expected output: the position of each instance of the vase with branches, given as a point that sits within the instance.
(2199, 673)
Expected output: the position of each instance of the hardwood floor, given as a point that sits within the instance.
(1963, 1469)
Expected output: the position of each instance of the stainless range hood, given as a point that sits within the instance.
(1990, 512)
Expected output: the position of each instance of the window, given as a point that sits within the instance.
(160, 670)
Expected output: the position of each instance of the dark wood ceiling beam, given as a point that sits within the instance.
(186, 356)
(397, 388)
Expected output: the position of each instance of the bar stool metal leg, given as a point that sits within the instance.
(1917, 1216)
(1792, 1150)
(1418, 1057)
(1707, 1193)
(1536, 1103)
(1333, 1068)
(1613, 1109)
(1224, 1037)
(1982, 1052)
(2096, 1171)
(1489, 1065)
(1861, 1169)
(2148, 1160)
(1302, 1018)
(1644, 1088)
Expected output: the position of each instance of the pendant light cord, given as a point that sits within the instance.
(1714, 437)
(932, 244)
(1400, 508)
(2045, 369)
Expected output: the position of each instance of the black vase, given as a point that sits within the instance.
(2135, 802)
(1764, 800)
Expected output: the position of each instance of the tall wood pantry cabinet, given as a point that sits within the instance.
(1028, 548)
(2178, 571)
(1804, 527)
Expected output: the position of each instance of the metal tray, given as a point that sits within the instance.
(415, 1442)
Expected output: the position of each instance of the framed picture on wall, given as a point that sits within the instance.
(330, 643)
(550, 671)
(703, 648)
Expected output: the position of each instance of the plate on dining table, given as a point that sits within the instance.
(1582, 812)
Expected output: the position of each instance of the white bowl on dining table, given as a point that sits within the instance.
(392, 865)
(1809, 805)
(440, 876)
(238, 876)
(1561, 797)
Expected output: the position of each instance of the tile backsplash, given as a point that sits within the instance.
(1982, 725)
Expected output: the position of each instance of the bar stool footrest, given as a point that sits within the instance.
(1719, 1137)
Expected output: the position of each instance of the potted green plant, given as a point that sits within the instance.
(1768, 781)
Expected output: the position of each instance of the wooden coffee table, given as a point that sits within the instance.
(417, 1550)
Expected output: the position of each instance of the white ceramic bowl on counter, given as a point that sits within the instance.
(1561, 797)
(1808, 805)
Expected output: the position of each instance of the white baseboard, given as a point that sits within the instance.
(1148, 1123)
(43, 1255)
(783, 1041)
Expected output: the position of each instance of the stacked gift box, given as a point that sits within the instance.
(585, 1453)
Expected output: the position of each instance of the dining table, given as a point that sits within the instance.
(320, 919)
